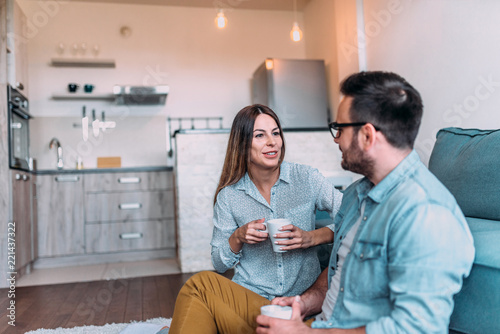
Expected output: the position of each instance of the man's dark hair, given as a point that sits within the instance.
(387, 101)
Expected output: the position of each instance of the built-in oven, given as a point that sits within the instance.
(19, 131)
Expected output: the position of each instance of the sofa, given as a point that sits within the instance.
(467, 162)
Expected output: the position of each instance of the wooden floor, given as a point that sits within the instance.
(92, 303)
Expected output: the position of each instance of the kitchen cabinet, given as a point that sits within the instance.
(17, 52)
(34, 217)
(22, 204)
(60, 215)
(129, 211)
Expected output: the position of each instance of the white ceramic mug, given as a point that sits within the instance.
(273, 227)
(277, 311)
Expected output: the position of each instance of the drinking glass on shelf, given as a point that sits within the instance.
(95, 50)
(60, 48)
(74, 49)
(83, 48)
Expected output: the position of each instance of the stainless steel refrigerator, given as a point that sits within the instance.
(295, 89)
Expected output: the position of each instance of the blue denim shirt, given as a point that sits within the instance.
(296, 195)
(408, 258)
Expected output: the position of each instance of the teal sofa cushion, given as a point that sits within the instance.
(467, 161)
(324, 251)
(477, 306)
(486, 234)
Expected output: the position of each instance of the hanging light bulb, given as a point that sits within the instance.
(296, 33)
(269, 64)
(220, 20)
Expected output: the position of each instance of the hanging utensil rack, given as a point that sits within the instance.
(176, 124)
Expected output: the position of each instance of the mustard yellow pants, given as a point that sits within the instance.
(211, 303)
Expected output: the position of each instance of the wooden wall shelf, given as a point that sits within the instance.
(83, 96)
(75, 62)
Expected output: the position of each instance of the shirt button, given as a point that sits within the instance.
(361, 256)
(272, 193)
(365, 218)
(279, 265)
(341, 289)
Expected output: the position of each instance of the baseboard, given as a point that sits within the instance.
(82, 260)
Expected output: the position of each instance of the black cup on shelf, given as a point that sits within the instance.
(88, 88)
(72, 87)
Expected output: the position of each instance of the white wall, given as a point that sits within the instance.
(330, 26)
(448, 50)
(445, 48)
(208, 70)
(321, 43)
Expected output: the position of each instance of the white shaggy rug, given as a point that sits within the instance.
(151, 326)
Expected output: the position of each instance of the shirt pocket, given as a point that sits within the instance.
(367, 271)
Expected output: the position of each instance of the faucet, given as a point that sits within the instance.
(56, 142)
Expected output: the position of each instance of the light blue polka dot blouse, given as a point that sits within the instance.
(298, 193)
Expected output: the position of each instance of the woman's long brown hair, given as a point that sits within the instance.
(240, 144)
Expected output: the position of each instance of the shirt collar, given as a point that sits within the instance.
(245, 183)
(380, 191)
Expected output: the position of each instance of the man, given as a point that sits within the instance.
(402, 245)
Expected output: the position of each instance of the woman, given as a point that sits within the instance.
(256, 185)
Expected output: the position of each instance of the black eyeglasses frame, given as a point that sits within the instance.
(334, 126)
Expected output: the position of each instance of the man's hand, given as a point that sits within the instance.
(269, 325)
(289, 301)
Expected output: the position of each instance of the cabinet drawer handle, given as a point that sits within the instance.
(135, 235)
(67, 178)
(129, 180)
(129, 206)
(22, 177)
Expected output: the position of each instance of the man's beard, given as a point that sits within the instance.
(355, 160)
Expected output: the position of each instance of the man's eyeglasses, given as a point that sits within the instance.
(336, 128)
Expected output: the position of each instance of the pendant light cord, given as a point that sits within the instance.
(295, 10)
